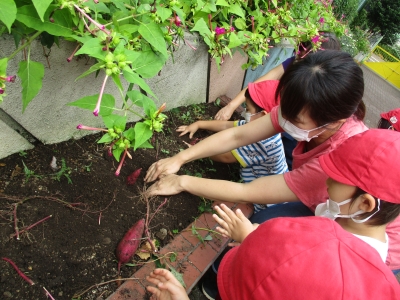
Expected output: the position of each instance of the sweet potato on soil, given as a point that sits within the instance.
(131, 179)
(129, 243)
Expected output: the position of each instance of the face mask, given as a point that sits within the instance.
(247, 116)
(331, 210)
(297, 133)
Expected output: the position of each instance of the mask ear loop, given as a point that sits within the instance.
(370, 216)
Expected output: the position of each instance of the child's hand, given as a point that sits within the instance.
(168, 287)
(233, 225)
(191, 129)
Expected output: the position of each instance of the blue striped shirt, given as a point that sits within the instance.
(263, 158)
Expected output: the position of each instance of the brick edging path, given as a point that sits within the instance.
(193, 257)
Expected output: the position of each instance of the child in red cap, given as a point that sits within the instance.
(259, 159)
(390, 120)
(317, 258)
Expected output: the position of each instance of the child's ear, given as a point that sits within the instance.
(367, 203)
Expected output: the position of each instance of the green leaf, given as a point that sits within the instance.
(89, 102)
(146, 145)
(117, 81)
(92, 69)
(178, 276)
(99, 7)
(172, 256)
(105, 139)
(109, 120)
(143, 101)
(94, 48)
(234, 41)
(120, 123)
(237, 10)
(202, 27)
(132, 77)
(275, 3)
(62, 20)
(163, 12)
(148, 64)
(8, 13)
(117, 153)
(208, 238)
(222, 3)
(130, 134)
(152, 33)
(142, 134)
(41, 7)
(240, 24)
(3, 66)
(31, 74)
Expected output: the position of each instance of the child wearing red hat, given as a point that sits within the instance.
(293, 258)
(297, 253)
(390, 120)
(259, 159)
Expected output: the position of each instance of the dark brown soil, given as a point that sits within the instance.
(75, 248)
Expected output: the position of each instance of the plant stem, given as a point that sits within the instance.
(20, 273)
(16, 221)
(32, 225)
(25, 45)
(103, 283)
(48, 294)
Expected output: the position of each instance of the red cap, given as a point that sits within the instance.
(309, 258)
(393, 117)
(263, 94)
(370, 161)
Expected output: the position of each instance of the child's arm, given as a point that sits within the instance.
(212, 125)
(233, 224)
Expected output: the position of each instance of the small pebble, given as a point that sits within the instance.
(7, 294)
(60, 294)
(106, 241)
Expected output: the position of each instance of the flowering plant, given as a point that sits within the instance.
(132, 40)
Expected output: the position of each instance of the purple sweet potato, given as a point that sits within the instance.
(129, 243)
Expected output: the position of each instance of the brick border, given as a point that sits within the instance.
(194, 257)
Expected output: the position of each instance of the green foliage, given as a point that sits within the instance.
(345, 10)
(360, 20)
(355, 41)
(64, 171)
(205, 206)
(29, 173)
(385, 16)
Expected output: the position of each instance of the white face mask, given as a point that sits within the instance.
(297, 133)
(247, 116)
(331, 210)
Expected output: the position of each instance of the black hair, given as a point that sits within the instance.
(384, 124)
(328, 84)
(388, 211)
(328, 42)
(248, 97)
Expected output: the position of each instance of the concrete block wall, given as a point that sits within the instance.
(48, 118)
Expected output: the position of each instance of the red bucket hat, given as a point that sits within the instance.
(263, 94)
(370, 161)
(393, 117)
(304, 258)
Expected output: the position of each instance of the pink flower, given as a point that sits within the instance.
(11, 78)
(219, 30)
(232, 29)
(315, 39)
(1, 91)
(178, 21)
(83, 127)
(322, 20)
(121, 162)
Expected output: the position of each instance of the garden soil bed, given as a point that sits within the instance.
(75, 248)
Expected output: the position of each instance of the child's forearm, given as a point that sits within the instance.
(214, 125)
